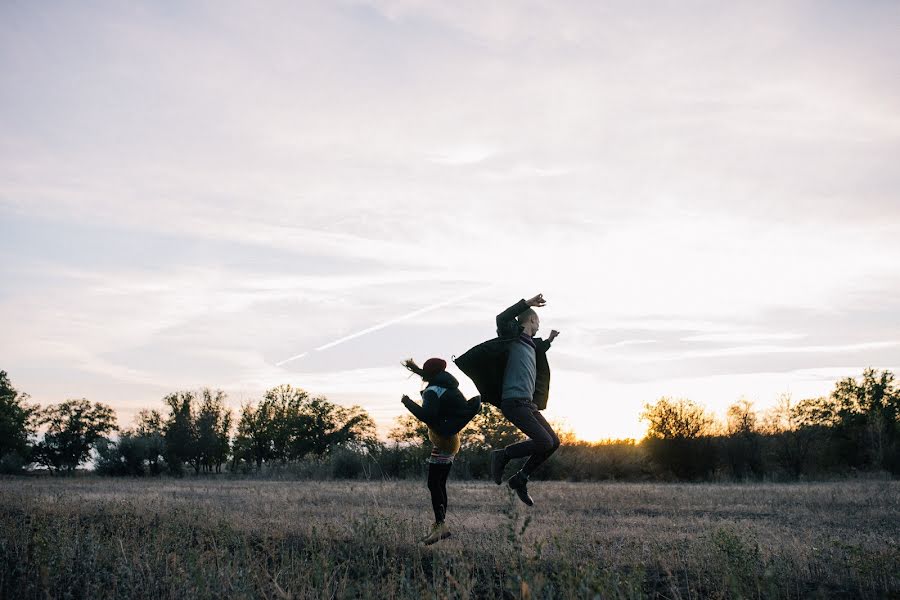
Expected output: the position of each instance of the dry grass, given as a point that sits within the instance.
(92, 538)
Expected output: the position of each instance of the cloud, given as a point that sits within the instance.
(464, 155)
(190, 194)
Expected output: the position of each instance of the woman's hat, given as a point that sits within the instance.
(433, 366)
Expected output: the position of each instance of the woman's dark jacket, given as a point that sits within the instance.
(485, 363)
(444, 409)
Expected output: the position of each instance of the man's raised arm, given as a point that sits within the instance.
(509, 315)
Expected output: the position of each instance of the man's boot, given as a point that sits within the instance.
(520, 485)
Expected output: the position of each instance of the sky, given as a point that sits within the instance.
(706, 194)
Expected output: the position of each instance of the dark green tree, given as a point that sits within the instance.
(150, 429)
(866, 417)
(289, 425)
(284, 403)
(126, 456)
(253, 441)
(320, 426)
(859, 421)
(181, 433)
(213, 430)
(138, 451)
(16, 427)
(73, 428)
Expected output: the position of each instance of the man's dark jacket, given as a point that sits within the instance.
(447, 411)
(485, 363)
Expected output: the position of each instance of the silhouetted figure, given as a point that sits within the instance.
(512, 372)
(445, 411)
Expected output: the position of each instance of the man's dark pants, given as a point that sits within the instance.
(542, 440)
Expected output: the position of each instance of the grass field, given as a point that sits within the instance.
(105, 538)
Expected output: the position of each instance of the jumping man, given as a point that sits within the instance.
(525, 365)
(512, 372)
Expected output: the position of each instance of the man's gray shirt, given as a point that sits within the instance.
(520, 373)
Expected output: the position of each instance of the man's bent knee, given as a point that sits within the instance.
(544, 443)
(552, 446)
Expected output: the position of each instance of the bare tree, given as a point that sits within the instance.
(678, 437)
(680, 418)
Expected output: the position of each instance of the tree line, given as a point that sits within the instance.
(193, 432)
(854, 429)
(288, 432)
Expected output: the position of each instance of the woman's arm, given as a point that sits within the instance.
(428, 411)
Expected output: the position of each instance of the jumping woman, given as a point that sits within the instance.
(445, 411)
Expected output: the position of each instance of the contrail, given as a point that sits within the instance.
(287, 360)
(415, 313)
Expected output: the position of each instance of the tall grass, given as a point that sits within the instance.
(101, 538)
